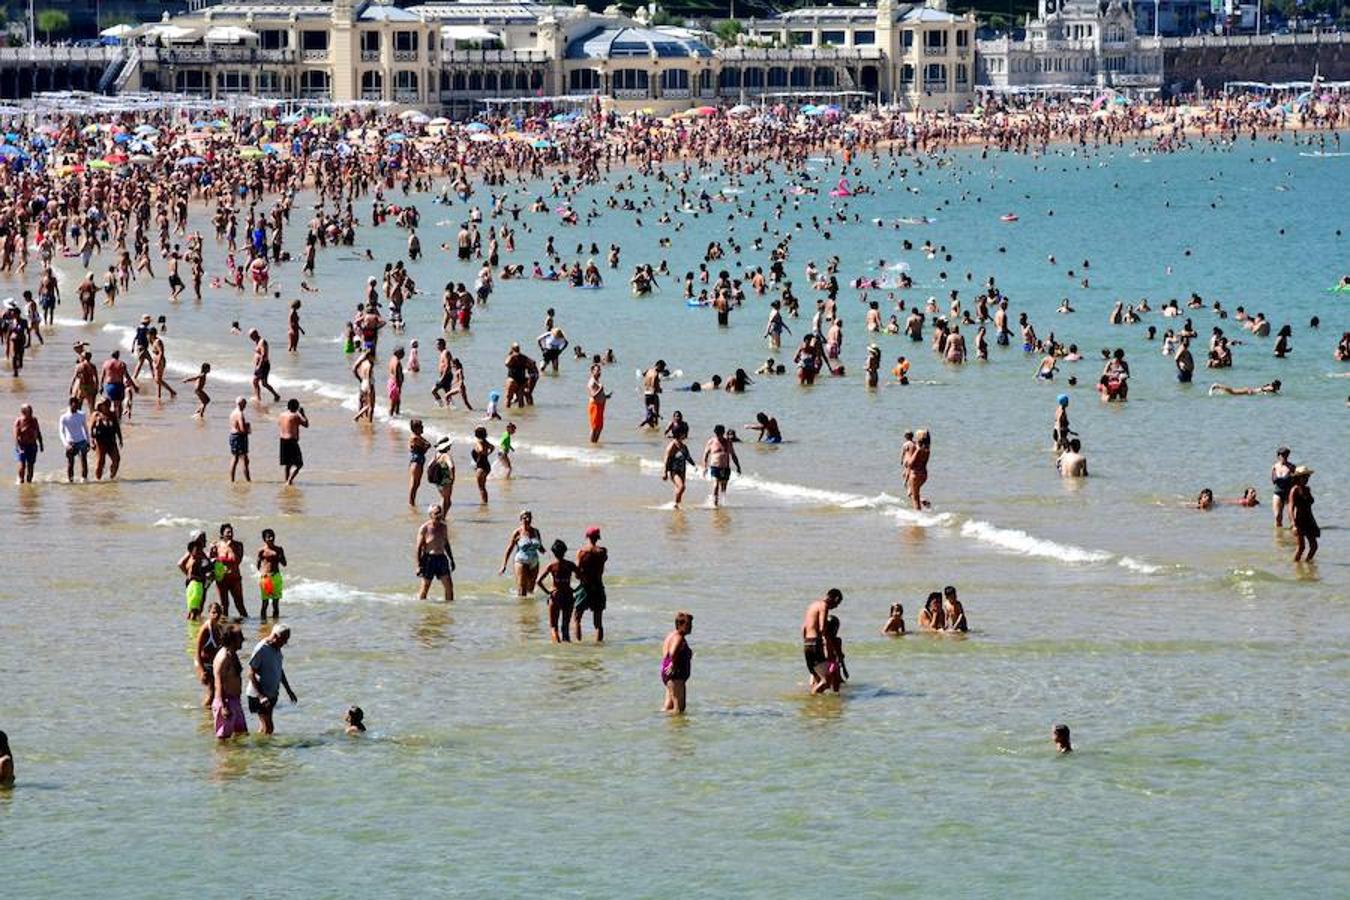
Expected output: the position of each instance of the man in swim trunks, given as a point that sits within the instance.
(262, 367)
(289, 424)
(651, 386)
(718, 456)
(432, 554)
(591, 561)
(815, 648)
(266, 677)
(240, 429)
(27, 443)
(271, 560)
(114, 378)
(227, 671)
(84, 380)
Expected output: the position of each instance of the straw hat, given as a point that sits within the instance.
(1302, 471)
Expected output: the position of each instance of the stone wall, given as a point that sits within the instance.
(1269, 58)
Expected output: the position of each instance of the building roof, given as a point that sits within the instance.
(619, 42)
(830, 13)
(378, 13)
(274, 9)
(925, 14)
(474, 11)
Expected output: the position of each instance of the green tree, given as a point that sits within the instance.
(50, 20)
(728, 30)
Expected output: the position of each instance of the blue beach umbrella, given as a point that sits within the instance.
(397, 137)
(190, 161)
(477, 126)
(541, 144)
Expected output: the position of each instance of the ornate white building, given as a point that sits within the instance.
(1074, 44)
(451, 56)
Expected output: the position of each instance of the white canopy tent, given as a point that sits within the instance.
(468, 33)
(119, 31)
(229, 34)
(167, 32)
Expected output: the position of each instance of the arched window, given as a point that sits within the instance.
(824, 77)
(778, 77)
(801, 76)
(372, 85)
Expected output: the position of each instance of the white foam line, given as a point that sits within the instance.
(310, 591)
(1028, 545)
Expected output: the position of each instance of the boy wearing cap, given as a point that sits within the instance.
(591, 560)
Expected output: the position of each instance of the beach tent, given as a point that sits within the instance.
(229, 34)
(120, 32)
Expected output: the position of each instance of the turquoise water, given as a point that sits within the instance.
(1202, 672)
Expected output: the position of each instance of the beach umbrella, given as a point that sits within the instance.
(481, 138)
(269, 124)
(146, 130)
(116, 159)
(291, 118)
(442, 120)
(409, 114)
(321, 120)
(250, 153)
(9, 151)
(122, 138)
(705, 110)
(740, 109)
(101, 164)
(397, 137)
(477, 126)
(229, 34)
(189, 161)
(273, 148)
(541, 144)
(142, 159)
(91, 128)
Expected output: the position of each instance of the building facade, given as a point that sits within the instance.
(1074, 44)
(450, 56)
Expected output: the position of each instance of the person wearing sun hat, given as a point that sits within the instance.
(1301, 515)
(591, 560)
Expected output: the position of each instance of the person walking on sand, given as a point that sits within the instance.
(432, 554)
(289, 424)
(676, 663)
(267, 676)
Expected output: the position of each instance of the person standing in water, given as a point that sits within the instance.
(556, 579)
(240, 429)
(267, 676)
(289, 424)
(271, 560)
(1301, 516)
(676, 663)
(591, 561)
(209, 640)
(1282, 480)
(597, 397)
(526, 544)
(432, 555)
(718, 456)
(916, 467)
(815, 648)
(227, 686)
(6, 762)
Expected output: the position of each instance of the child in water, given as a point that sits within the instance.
(504, 448)
(491, 414)
(355, 720)
(836, 672)
(895, 624)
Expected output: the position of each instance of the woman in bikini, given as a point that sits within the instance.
(561, 593)
(227, 554)
(208, 642)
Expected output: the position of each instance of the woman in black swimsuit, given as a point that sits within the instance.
(107, 434)
(482, 459)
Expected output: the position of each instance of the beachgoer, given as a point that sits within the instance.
(676, 663)
(266, 677)
(433, 557)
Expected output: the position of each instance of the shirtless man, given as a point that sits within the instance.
(718, 455)
(432, 554)
(27, 443)
(591, 561)
(1072, 463)
(114, 378)
(395, 385)
(597, 397)
(651, 386)
(289, 424)
(240, 429)
(84, 380)
(814, 646)
(262, 367)
(444, 374)
(228, 675)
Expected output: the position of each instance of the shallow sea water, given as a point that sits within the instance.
(1204, 675)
